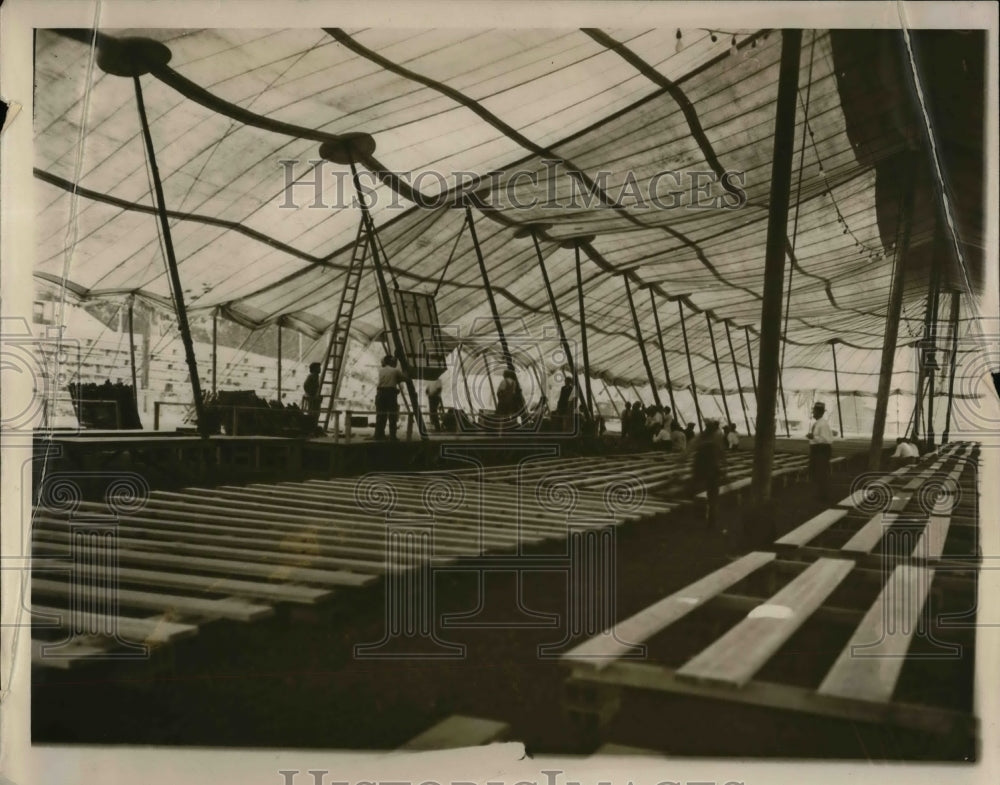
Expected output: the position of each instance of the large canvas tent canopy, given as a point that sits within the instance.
(653, 147)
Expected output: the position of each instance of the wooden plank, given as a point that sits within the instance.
(71, 653)
(867, 672)
(931, 542)
(783, 697)
(458, 731)
(275, 592)
(812, 528)
(267, 571)
(735, 657)
(178, 547)
(869, 535)
(600, 651)
(737, 485)
(153, 631)
(228, 608)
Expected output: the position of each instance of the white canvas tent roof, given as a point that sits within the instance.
(525, 116)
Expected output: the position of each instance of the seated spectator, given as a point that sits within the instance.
(689, 432)
(732, 438)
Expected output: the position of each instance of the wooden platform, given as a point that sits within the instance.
(721, 638)
(234, 552)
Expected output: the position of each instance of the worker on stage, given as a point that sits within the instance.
(433, 392)
(311, 398)
(820, 450)
(387, 398)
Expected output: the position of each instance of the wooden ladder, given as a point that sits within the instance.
(336, 352)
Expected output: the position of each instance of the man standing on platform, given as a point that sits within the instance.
(311, 400)
(433, 390)
(387, 398)
(820, 449)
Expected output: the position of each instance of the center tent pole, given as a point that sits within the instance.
(736, 372)
(687, 353)
(908, 163)
(774, 265)
(343, 152)
(172, 271)
(663, 351)
(508, 360)
(718, 368)
(533, 232)
(642, 343)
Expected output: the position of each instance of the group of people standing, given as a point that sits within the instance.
(654, 425)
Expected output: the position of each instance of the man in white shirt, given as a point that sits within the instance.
(820, 450)
(906, 451)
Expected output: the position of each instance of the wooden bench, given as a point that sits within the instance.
(858, 687)
(458, 731)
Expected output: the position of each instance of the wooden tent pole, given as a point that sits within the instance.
(893, 310)
(383, 288)
(589, 399)
(279, 360)
(508, 360)
(465, 376)
(172, 272)
(215, 348)
(932, 336)
(836, 387)
(753, 376)
(718, 369)
(774, 264)
(555, 314)
(663, 351)
(953, 319)
(642, 342)
(131, 349)
(611, 400)
(736, 372)
(687, 354)
(784, 406)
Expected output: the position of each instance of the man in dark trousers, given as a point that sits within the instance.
(311, 400)
(708, 467)
(564, 406)
(387, 398)
(433, 391)
(820, 450)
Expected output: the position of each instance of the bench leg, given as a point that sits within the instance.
(590, 709)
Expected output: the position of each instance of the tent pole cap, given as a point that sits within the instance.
(132, 56)
(348, 147)
(529, 229)
(573, 242)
